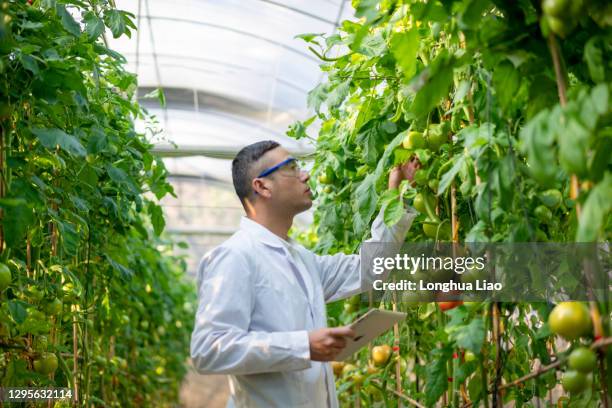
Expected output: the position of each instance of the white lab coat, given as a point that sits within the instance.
(253, 316)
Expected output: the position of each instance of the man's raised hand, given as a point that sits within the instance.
(405, 171)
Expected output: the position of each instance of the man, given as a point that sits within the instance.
(261, 316)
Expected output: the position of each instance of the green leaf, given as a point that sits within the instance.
(125, 272)
(596, 211)
(51, 138)
(368, 138)
(114, 21)
(120, 177)
(503, 179)
(449, 176)
(594, 59)
(338, 94)
(18, 310)
(97, 140)
(100, 49)
(68, 21)
(364, 204)
(537, 144)
(573, 145)
(373, 45)
(436, 376)
(470, 336)
(94, 26)
(506, 82)
(69, 236)
(16, 221)
(600, 97)
(366, 8)
(393, 211)
(309, 37)
(432, 84)
(29, 63)
(404, 47)
(317, 96)
(298, 129)
(116, 174)
(157, 218)
(475, 387)
(473, 14)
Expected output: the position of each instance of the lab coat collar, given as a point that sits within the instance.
(263, 234)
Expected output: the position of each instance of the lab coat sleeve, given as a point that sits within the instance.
(341, 274)
(221, 342)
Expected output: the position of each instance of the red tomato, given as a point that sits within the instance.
(449, 305)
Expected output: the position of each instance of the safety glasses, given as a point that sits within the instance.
(290, 164)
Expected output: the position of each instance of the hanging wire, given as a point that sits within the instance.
(155, 61)
(138, 37)
(336, 25)
(490, 168)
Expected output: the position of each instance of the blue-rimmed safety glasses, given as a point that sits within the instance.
(293, 169)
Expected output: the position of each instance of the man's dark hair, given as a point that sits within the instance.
(242, 166)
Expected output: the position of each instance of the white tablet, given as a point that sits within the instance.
(369, 326)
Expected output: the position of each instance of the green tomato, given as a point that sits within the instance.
(441, 233)
(46, 364)
(420, 177)
(358, 377)
(5, 277)
(555, 8)
(323, 179)
(574, 381)
(551, 198)
(469, 356)
(41, 343)
(541, 236)
(582, 359)
(543, 214)
(576, 8)
(350, 308)
(54, 307)
(413, 140)
(570, 320)
(69, 292)
(437, 135)
(433, 184)
(419, 202)
(35, 294)
(558, 26)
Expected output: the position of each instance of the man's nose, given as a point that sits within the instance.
(304, 176)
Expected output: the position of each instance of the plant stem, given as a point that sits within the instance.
(497, 342)
(561, 79)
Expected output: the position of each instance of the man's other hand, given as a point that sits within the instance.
(403, 172)
(325, 344)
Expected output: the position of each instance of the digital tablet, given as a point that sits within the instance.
(369, 326)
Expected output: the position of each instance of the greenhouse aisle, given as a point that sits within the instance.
(200, 391)
(313, 203)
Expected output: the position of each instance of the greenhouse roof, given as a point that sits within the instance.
(232, 71)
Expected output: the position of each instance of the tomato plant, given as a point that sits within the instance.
(507, 107)
(82, 264)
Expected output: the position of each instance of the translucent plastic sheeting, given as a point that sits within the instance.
(232, 70)
(233, 73)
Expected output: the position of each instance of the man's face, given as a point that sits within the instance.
(287, 185)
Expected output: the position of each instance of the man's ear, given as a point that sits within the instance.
(260, 188)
